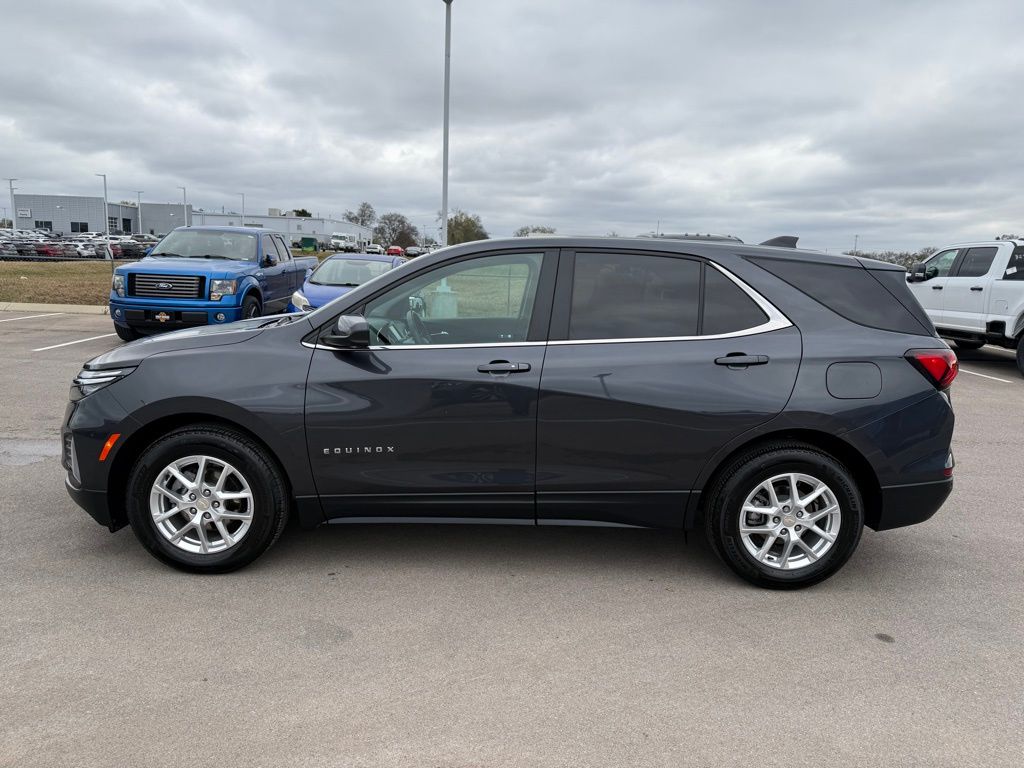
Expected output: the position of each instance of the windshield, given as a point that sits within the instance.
(348, 271)
(207, 244)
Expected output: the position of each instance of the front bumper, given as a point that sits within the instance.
(93, 502)
(910, 504)
(164, 316)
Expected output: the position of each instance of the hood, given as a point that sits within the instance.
(187, 338)
(211, 267)
(318, 295)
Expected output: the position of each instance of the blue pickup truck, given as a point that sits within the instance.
(205, 276)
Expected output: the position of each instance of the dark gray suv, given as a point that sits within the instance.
(780, 399)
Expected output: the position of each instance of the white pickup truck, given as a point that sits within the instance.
(974, 294)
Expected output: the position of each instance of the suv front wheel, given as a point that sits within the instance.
(206, 499)
(784, 515)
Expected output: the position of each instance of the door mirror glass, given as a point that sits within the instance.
(918, 273)
(349, 332)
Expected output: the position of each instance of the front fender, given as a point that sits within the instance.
(249, 285)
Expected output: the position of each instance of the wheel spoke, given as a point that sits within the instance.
(201, 472)
(176, 536)
(173, 470)
(763, 552)
(770, 485)
(236, 515)
(813, 495)
(829, 537)
(168, 514)
(223, 531)
(169, 494)
(224, 474)
(235, 496)
(786, 549)
(747, 530)
(813, 517)
(793, 495)
(807, 550)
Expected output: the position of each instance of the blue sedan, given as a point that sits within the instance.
(338, 275)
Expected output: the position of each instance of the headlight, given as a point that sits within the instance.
(87, 382)
(300, 302)
(117, 285)
(221, 288)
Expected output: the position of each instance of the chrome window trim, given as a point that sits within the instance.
(776, 321)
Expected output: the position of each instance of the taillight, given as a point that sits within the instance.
(939, 366)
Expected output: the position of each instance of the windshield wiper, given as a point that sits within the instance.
(168, 255)
(216, 256)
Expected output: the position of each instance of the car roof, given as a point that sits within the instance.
(979, 242)
(706, 248)
(239, 230)
(360, 256)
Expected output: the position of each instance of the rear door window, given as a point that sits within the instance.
(727, 307)
(623, 296)
(976, 262)
(1015, 268)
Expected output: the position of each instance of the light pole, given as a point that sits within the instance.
(243, 206)
(14, 211)
(106, 207)
(184, 205)
(138, 197)
(447, 91)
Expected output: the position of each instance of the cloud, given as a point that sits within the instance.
(897, 122)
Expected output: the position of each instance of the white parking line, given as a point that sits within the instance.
(78, 341)
(986, 376)
(30, 317)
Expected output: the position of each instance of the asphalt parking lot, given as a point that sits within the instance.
(465, 646)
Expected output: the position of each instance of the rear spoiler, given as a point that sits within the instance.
(782, 241)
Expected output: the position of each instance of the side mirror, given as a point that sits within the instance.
(349, 332)
(918, 273)
(269, 261)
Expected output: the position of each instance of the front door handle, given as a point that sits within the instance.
(936, 287)
(503, 366)
(977, 288)
(741, 361)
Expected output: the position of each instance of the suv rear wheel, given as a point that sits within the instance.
(1020, 355)
(784, 515)
(968, 345)
(206, 499)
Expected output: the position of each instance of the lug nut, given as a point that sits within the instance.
(783, 532)
(191, 497)
(799, 527)
(799, 514)
(207, 516)
(206, 492)
(785, 508)
(775, 520)
(216, 504)
(192, 510)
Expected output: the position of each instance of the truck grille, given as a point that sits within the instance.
(167, 286)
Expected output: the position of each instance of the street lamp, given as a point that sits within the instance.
(14, 211)
(243, 206)
(138, 197)
(106, 207)
(447, 89)
(184, 205)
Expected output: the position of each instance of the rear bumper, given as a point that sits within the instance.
(910, 504)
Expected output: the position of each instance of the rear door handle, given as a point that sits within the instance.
(741, 361)
(977, 288)
(503, 366)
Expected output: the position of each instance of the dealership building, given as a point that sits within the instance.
(72, 214)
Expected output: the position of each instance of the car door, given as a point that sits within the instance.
(274, 276)
(296, 270)
(439, 416)
(968, 287)
(929, 292)
(655, 362)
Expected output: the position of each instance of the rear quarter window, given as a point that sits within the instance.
(863, 296)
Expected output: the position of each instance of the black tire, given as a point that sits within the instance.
(269, 491)
(968, 345)
(126, 333)
(1020, 355)
(251, 307)
(743, 474)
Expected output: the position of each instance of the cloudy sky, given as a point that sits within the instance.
(898, 121)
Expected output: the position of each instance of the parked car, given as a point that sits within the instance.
(337, 275)
(395, 250)
(778, 399)
(49, 249)
(974, 294)
(205, 276)
(374, 248)
(413, 251)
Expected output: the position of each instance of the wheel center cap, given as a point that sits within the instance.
(204, 504)
(789, 521)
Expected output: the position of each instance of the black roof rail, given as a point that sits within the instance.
(782, 241)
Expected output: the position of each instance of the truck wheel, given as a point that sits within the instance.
(1020, 355)
(250, 307)
(784, 515)
(968, 345)
(206, 499)
(125, 332)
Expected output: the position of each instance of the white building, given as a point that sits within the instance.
(294, 228)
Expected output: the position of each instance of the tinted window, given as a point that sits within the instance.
(940, 264)
(620, 296)
(852, 292)
(283, 252)
(727, 307)
(481, 300)
(1015, 269)
(976, 262)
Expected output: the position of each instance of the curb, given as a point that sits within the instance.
(69, 309)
